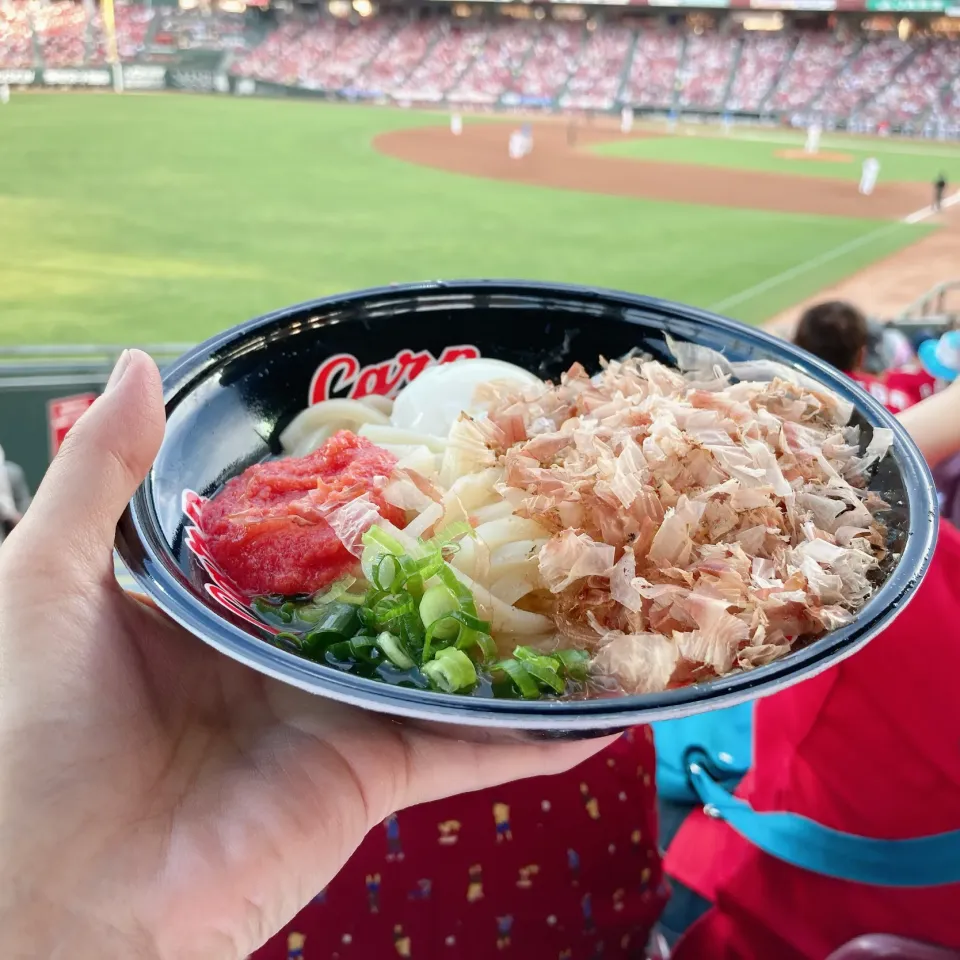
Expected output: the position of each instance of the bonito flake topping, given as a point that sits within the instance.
(697, 524)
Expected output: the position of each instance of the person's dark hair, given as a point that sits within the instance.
(835, 332)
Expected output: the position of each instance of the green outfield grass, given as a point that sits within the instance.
(146, 218)
(757, 150)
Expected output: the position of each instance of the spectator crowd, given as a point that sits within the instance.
(866, 82)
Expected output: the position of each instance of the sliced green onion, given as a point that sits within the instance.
(339, 652)
(379, 537)
(289, 639)
(311, 613)
(354, 599)
(340, 618)
(339, 622)
(413, 574)
(334, 592)
(264, 606)
(544, 671)
(393, 650)
(367, 617)
(448, 536)
(392, 606)
(430, 635)
(459, 589)
(522, 680)
(435, 609)
(412, 635)
(525, 653)
(286, 611)
(363, 647)
(473, 626)
(386, 572)
(450, 670)
(575, 663)
(472, 633)
(473, 623)
(429, 565)
(486, 645)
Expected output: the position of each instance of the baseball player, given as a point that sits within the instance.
(4, 93)
(939, 188)
(868, 175)
(517, 146)
(456, 124)
(626, 119)
(527, 131)
(812, 144)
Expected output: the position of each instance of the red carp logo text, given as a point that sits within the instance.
(342, 376)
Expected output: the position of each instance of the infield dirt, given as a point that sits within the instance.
(561, 159)
(481, 151)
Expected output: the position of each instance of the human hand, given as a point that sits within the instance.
(934, 424)
(157, 799)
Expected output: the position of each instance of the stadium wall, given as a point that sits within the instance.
(156, 78)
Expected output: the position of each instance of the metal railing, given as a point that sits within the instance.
(33, 376)
(68, 364)
(939, 305)
(88, 353)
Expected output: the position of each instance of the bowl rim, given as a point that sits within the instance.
(151, 562)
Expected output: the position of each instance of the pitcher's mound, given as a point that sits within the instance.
(829, 156)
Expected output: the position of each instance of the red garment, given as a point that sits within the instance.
(872, 747)
(558, 868)
(897, 389)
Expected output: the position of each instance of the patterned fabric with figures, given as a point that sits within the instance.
(561, 867)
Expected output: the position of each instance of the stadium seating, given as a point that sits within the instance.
(553, 58)
(504, 51)
(190, 30)
(595, 81)
(351, 49)
(16, 36)
(392, 63)
(703, 79)
(818, 58)
(859, 81)
(917, 89)
(288, 54)
(63, 33)
(132, 23)
(868, 71)
(446, 61)
(61, 30)
(762, 59)
(653, 73)
(946, 114)
(325, 54)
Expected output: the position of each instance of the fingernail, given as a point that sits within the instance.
(123, 361)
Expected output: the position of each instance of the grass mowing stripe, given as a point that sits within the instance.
(806, 266)
(169, 217)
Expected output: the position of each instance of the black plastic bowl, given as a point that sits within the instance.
(228, 399)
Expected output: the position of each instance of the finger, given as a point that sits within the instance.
(440, 767)
(399, 765)
(103, 460)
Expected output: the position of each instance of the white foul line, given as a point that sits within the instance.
(925, 212)
(802, 268)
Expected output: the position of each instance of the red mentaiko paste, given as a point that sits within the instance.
(258, 531)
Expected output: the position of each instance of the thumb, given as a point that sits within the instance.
(103, 460)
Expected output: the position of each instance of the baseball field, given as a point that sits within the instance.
(167, 217)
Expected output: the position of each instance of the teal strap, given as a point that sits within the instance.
(929, 861)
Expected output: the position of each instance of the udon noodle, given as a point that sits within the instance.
(636, 530)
